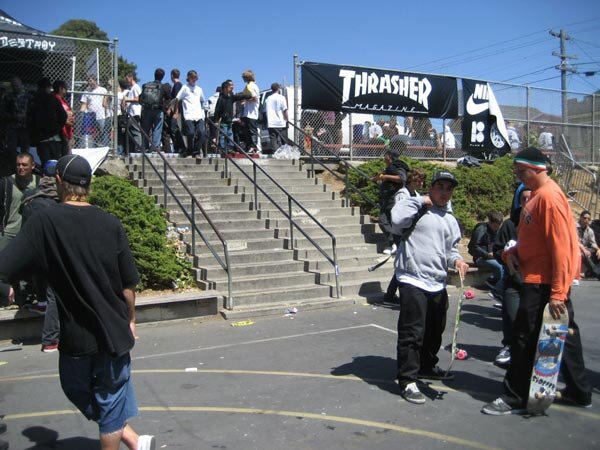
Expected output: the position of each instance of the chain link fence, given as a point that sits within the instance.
(539, 116)
(87, 66)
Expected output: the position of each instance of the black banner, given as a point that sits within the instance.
(329, 87)
(483, 125)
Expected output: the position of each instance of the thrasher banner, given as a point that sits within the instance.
(483, 124)
(329, 87)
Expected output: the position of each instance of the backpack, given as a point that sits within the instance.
(151, 96)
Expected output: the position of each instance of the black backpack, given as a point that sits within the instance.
(152, 95)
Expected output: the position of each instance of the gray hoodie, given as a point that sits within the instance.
(423, 260)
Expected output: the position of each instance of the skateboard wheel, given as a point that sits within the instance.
(461, 354)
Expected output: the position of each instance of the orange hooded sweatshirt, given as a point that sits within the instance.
(547, 244)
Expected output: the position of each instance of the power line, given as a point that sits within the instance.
(544, 79)
(586, 53)
(530, 73)
(588, 43)
(587, 81)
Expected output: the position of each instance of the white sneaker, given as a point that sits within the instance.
(388, 251)
(575, 282)
(394, 249)
(146, 442)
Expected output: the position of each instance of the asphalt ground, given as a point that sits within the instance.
(312, 380)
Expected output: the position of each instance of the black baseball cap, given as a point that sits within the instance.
(74, 169)
(444, 175)
(393, 153)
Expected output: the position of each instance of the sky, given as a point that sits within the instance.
(493, 41)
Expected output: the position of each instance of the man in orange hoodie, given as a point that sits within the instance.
(547, 257)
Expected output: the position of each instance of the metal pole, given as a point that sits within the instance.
(73, 60)
(350, 134)
(444, 150)
(291, 222)
(593, 129)
(115, 100)
(193, 228)
(255, 188)
(229, 301)
(296, 97)
(527, 109)
(165, 184)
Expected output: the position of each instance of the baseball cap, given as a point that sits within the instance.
(49, 169)
(393, 153)
(74, 169)
(444, 175)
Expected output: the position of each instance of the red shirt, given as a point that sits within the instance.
(68, 127)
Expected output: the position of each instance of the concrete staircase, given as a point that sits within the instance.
(267, 274)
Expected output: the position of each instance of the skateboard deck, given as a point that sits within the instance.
(546, 364)
(454, 347)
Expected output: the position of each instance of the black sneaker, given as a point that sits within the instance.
(3, 445)
(564, 398)
(499, 408)
(412, 394)
(435, 374)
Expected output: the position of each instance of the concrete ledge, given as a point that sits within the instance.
(20, 324)
(276, 309)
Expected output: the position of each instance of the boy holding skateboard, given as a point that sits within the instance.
(422, 264)
(547, 256)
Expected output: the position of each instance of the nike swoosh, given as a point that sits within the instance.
(476, 108)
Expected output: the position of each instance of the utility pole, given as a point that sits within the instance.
(564, 67)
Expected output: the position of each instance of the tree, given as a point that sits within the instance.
(87, 29)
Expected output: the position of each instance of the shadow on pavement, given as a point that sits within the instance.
(480, 388)
(379, 371)
(47, 439)
(486, 353)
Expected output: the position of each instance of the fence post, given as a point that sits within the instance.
(350, 134)
(527, 93)
(296, 97)
(593, 129)
(115, 99)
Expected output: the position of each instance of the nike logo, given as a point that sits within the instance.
(476, 108)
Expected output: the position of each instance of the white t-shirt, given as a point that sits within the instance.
(192, 101)
(545, 140)
(94, 100)
(251, 106)
(134, 109)
(275, 105)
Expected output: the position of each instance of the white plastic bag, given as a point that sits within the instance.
(287, 152)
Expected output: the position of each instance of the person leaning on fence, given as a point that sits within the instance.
(86, 256)
(422, 266)
(548, 259)
(390, 180)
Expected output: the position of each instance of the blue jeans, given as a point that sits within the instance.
(497, 270)
(195, 132)
(226, 130)
(152, 124)
(100, 387)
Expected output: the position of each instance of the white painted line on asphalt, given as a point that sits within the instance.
(383, 328)
(255, 341)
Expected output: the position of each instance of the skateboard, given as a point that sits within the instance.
(454, 351)
(546, 365)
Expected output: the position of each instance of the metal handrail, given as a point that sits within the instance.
(567, 166)
(348, 166)
(191, 216)
(288, 214)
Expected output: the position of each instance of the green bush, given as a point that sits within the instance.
(158, 262)
(481, 189)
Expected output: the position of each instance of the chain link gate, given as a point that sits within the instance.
(87, 66)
